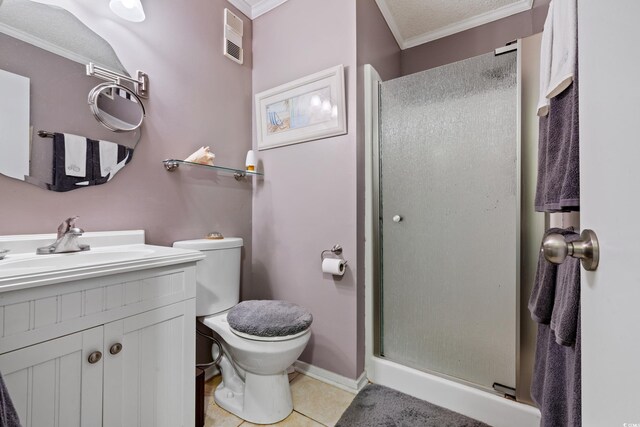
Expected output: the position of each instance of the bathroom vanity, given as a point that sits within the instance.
(102, 337)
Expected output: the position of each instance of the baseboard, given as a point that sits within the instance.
(336, 380)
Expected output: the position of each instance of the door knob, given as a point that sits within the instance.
(556, 249)
(95, 357)
(115, 349)
(397, 218)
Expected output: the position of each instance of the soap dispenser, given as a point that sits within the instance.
(250, 163)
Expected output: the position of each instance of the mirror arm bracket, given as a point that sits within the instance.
(140, 84)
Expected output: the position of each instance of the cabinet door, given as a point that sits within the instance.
(54, 384)
(150, 381)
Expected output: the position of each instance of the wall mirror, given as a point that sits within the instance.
(50, 137)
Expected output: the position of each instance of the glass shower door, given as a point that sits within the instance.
(449, 227)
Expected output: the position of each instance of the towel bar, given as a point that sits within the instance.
(45, 134)
(556, 249)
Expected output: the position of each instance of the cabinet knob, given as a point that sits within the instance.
(397, 218)
(95, 357)
(115, 349)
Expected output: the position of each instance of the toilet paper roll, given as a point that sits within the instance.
(334, 266)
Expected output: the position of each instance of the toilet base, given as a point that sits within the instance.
(265, 399)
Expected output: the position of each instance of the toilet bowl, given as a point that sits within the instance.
(255, 384)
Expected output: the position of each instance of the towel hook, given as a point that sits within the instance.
(556, 249)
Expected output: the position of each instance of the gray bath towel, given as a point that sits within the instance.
(8, 414)
(566, 309)
(556, 384)
(544, 287)
(558, 184)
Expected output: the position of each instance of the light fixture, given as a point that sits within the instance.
(131, 10)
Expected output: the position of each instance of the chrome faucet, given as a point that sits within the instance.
(67, 240)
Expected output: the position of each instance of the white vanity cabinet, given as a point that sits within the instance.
(111, 348)
(150, 382)
(53, 384)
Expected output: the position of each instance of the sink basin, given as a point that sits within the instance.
(110, 253)
(76, 259)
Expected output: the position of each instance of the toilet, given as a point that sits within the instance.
(259, 339)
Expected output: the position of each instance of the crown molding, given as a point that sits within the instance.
(48, 46)
(252, 11)
(448, 30)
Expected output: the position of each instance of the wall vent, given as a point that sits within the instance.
(233, 37)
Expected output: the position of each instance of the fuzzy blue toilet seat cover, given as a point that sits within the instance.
(269, 318)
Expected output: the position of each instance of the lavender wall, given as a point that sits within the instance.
(375, 42)
(197, 97)
(58, 90)
(475, 41)
(307, 200)
(312, 196)
(55, 80)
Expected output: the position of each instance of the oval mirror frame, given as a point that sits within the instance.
(106, 119)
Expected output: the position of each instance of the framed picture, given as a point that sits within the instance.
(306, 109)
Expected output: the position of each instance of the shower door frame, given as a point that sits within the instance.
(436, 388)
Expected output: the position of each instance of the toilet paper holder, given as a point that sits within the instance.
(336, 250)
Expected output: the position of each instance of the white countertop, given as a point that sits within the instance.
(110, 253)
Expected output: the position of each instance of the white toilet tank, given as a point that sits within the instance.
(218, 274)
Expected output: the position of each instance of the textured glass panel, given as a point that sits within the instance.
(449, 268)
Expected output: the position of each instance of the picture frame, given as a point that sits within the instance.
(306, 109)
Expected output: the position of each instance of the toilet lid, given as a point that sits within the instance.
(269, 318)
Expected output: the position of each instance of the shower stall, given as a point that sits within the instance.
(443, 300)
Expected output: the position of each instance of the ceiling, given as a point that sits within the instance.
(30, 21)
(414, 22)
(254, 8)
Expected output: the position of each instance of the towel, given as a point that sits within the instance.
(566, 309)
(61, 181)
(75, 155)
(556, 385)
(558, 184)
(564, 46)
(544, 287)
(8, 414)
(545, 63)
(108, 157)
(120, 165)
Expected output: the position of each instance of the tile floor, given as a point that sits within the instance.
(315, 404)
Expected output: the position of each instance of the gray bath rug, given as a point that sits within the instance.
(379, 406)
